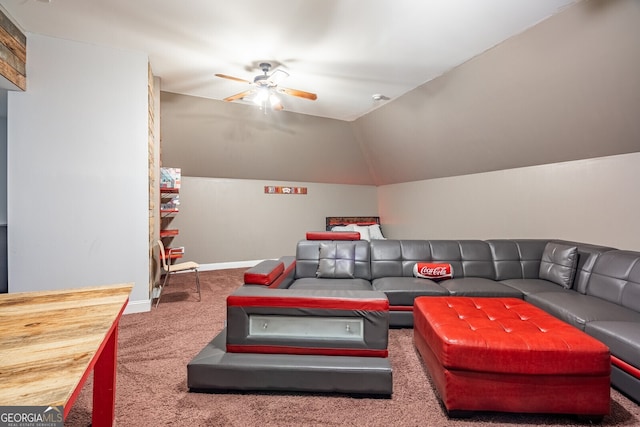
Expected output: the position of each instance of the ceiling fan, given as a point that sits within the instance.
(266, 86)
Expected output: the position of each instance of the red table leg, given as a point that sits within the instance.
(104, 382)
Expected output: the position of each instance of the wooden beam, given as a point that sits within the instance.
(13, 53)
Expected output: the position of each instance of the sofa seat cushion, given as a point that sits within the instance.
(533, 286)
(479, 287)
(578, 309)
(401, 291)
(622, 338)
(346, 284)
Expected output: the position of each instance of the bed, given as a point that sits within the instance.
(367, 226)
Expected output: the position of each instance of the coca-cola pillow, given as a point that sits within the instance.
(433, 271)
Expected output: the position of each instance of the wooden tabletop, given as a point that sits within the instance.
(49, 339)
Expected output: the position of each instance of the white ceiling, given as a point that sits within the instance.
(343, 50)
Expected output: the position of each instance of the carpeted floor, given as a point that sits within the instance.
(155, 348)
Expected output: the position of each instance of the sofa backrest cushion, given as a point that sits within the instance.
(558, 264)
(516, 259)
(337, 260)
(308, 258)
(476, 259)
(396, 258)
(587, 256)
(616, 277)
(467, 257)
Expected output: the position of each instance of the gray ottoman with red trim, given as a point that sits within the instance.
(302, 340)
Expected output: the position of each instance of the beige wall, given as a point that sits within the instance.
(566, 89)
(594, 201)
(233, 220)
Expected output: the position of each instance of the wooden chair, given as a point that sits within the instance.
(169, 269)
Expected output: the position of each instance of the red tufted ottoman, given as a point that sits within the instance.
(504, 354)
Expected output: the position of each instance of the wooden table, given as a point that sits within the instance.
(51, 340)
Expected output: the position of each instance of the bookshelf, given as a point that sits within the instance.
(169, 208)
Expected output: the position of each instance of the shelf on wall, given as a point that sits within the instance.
(169, 190)
(169, 207)
(169, 232)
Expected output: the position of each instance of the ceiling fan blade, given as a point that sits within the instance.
(238, 95)
(298, 93)
(224, 76)
(277, 76)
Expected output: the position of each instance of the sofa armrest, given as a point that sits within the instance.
(272, 273)
(264, 273)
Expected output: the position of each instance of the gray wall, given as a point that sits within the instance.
(77, 169)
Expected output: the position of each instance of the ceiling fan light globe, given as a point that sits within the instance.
(275, 102)
(261, 97)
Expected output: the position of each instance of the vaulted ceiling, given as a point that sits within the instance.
(474, 86)
(345, 51)
(566, 89)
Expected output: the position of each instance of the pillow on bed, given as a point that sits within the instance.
(367, 232)
(433, 271)
(337, 260)
(342, 228)
(375, 232)
(364, 232)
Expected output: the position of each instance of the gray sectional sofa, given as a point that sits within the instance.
(594, 288)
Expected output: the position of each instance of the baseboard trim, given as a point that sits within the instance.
(143, 306)
(140, 306)
(227, 265)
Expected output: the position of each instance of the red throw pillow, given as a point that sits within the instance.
(428, 270)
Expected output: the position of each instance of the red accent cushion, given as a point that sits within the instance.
(333, 235)
(428, 270)
(254, 278)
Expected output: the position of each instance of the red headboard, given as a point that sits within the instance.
(346, 220)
